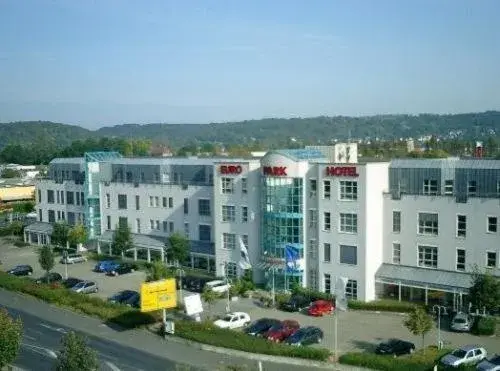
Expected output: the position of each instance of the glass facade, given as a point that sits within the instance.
(282, 224)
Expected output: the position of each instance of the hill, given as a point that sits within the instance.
(271, 132)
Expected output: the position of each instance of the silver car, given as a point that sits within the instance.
(73, 258)
(85, 287)
(466, 355)
(461, 322)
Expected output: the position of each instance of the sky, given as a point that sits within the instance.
(100, 63)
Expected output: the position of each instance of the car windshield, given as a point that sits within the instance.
(227, 318)
(495, 360)
(459, 320)
(459, 353)
(276, 327)
(80, 285)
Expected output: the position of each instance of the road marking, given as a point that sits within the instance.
(29, 337)
(56, 329)
(42, 350)
(112, 366)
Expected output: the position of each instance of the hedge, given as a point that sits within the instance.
(129, 318)
(385, 305)
(418, 361)
(484, 326)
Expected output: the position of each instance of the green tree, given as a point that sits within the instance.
(77, 235)
(16, 228)
(485, 290)
(46, 258)
(59, 236)
(24, 207)
(209, 296)
(177, 247)
(122, 239)
(76, 355)
(419, 323)
(11, 332)
(11, 173)
(158, 271)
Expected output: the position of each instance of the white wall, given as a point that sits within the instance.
(68, 186)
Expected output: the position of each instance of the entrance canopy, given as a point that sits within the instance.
(39, 227)
(423, 278)
(138, 240)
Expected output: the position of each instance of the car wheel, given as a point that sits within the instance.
(30, 273)
(319, 340)
(116, 274)
(411, 351)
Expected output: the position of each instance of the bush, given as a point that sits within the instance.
(312, 294)
(385, 305)
(484, 326)
(21, 244)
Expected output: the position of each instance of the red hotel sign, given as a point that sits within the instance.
(341, 171)
(231, 169)
(274, 170)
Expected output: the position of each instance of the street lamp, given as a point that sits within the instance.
(228, 303)
(445, 312)
(273, 292)
(180, 272)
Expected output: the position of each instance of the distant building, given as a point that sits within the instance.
(410, 145)
(12, 190)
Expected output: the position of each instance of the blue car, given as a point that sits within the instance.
(105, 266)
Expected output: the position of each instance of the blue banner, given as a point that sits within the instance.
(292, 259)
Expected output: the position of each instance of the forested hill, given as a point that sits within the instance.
(268, 132)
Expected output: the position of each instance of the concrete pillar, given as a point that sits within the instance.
(98, 247)
(29, 237)
(426, 295)
(399, 291)
(39, 238)
(135, 253)
(25, 235)
(162, 255)
(110, 250)
(48, 239)
(149, 255)
(208, 264)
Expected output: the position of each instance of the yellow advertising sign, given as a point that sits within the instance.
(158, 295)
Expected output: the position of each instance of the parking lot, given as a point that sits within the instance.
(357, 330)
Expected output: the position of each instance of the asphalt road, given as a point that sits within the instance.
(130, 350)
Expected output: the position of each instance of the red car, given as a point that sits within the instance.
(282, 331)
(321, 307)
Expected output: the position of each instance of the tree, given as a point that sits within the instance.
(11, 332)
(16, 228)
(46, 258)
(11, 173)
(177, 247)
(158, 271)
(419, 323)
(59, 236)
(77, 235)
(122, 239)
(24, 207)
(76, 355)
(209, 296)
(485, 290)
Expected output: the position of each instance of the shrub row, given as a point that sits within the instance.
(484, 326)
(419, 361)
(130, 318)
(385, 305)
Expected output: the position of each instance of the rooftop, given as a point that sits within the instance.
(450, 162)
(302, 154)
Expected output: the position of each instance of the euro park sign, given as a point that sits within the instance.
(231, 169)
(274, 170)
(350, 171)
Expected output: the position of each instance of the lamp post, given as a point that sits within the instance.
(273, 292)
(228, 303)
(445, 311)
(180, 272)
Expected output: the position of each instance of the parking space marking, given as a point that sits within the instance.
(112, 366)
(56, 329)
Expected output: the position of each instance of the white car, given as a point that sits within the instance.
(218, 286)
(466, 355)
(233, 320)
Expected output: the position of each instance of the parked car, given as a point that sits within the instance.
(305, 336)
(296, 303)
(218, 286)
(461, 322)
(122, 268)
(233, 320)
(73, 258)
(261, 326)
(85, 287)
(395, 347)
(127, 297)
(492, 364)
(21, 270)
(466, 355)
(105, 265)
(280, 332)
(71, 282)
(194, 284)
(320, 308)
(50, 278)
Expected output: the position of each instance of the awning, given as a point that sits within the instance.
(39, 227)
(139, 240)
(423, 278)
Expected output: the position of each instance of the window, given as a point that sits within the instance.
(244, 214)
(164, 202)
(157, 225)
(58, 215)
(108, 200)
(348, 190)
(428, 256)
(313, 218)
(461, 225)
(498, 188)
(313, 279)
(77, 198)
(430, 187)
(108, 222)
(231, 270)
(244, 239)
(471, 187)
(123, 222)
(170, 202)
(448, 187)
(82, 198)
(428, 224)
(228, 241)
(327, 221)
(491, 259)
(165, 226)
(157, 201)
(348, 254)
(204, 232)
(492, 224)
(228, 213)
(227, 185)
(171, 226)
(313, 186)
(58, 198)
(40, 196)
(326, 189)
(137, 202)
(351, 290)
(460, 260)
(122, 201)
(396, 253)
(151, 224)
(244, 185)
(52, 216)
(186, 230)
(204, 207)
(186, 206)
(327, 281)
(50, 196)
(396, 221)
(151, 201)
(62, 197)
(70, 198)
(312, 248)
(327, 252)
(40, 215)
(349, 223)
